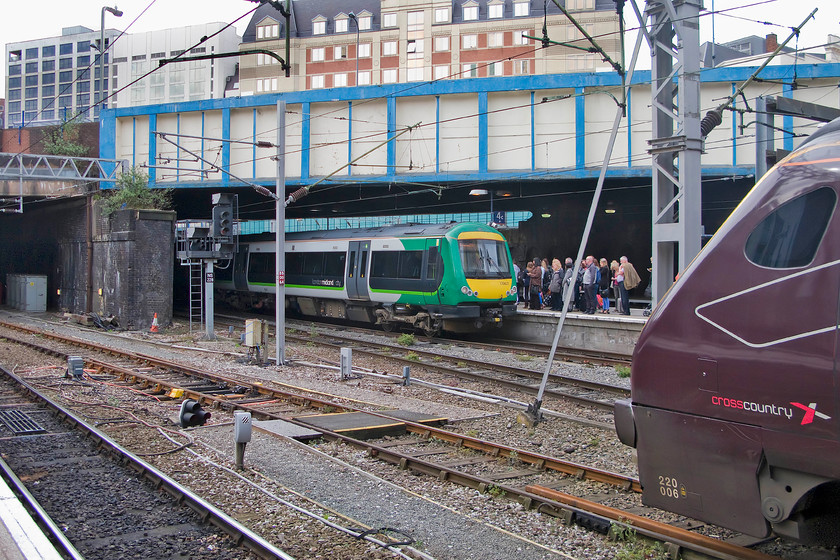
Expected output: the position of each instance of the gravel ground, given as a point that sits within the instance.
(437, 515)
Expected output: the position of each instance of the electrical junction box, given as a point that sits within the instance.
(241, 427)
(75, 367)
(255, 333)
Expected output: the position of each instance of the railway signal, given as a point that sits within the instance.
(192, 414)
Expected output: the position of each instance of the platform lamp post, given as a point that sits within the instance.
(117, 12)
(352, 16)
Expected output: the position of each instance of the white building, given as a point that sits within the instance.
(54, 78)
(136, 55)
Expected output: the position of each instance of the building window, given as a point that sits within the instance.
(389, 48)
(364, 22)
(48, 65)
(339, 52)
(157, 87)
(521, 9)
(266, 85)
(83, 46)
(442, 15)
(83, 60)
(31, 80)
(14, 70)
(441, 72)
(470, 13)
(496, 39)
(30, 92)
(65, 101)
(48, 51)
(441, 44)
(389, 20)
(82, 99)
(15, 56)
(341, 25)
(389, 76)
(14, 107)
(318, 54)
(317, 82)
(65, 48)
(31, 53)
(82, 87)
(520, 67)
(31, 67)
(364, 50)
(415, 21)
(31, 106)
(319, 27)
(47, 91)
(414, 48)
(48, 78)
(265, 60)
(495, 11)
(469, 41)
(83, 74)
(48, 115)
(268, 31)
(519, 38)
(340, 80)
(177, 79)
(47, 102)
(496, 69)
(414, 74)
(14, 82)
(364, 78)
(64, 63)
(470, 70)
(66, 76)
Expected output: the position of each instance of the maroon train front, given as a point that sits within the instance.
(734, 408)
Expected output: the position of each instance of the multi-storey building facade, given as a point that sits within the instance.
(137, 54)
(368, 42)
(50, 79)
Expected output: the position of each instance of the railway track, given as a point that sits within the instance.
(69, 473)
(415, 455)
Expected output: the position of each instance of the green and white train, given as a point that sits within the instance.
(455, 277)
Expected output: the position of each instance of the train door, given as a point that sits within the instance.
(240, 268)
(433, 272)
(356, 279)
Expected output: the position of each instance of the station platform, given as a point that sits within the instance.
(20, 537)
(600, 332)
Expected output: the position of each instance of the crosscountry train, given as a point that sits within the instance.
(454, 277)
(735, 406)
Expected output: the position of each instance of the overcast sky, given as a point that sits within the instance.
(45, 18)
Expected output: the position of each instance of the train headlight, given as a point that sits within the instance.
(466, 291)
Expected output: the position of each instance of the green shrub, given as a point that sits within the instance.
(406, 339)
(623, 371)
(132, 191)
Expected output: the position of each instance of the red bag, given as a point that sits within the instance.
(600, 300)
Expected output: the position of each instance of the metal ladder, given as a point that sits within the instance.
(196, 292)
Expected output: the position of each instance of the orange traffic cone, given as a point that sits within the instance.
(154, 327)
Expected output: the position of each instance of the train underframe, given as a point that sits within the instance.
(431, 320)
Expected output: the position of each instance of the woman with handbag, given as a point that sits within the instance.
(604, 285)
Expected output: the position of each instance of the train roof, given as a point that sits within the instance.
(402, 230)
(829, 128)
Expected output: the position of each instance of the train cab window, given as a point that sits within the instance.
(790, 236)
(352, 264)
(484, 258)
(433, 266)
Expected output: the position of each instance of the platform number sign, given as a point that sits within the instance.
(208, 278)
(281, 278)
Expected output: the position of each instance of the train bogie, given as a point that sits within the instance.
(734, 402)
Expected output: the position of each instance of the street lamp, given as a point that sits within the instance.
(117, 12)
(352, 16)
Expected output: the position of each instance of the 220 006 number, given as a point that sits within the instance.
(668, 487)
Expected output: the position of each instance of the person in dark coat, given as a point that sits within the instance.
(604, 285)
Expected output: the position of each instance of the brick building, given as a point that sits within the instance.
(368, 42)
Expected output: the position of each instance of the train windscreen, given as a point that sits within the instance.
(484, 258)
